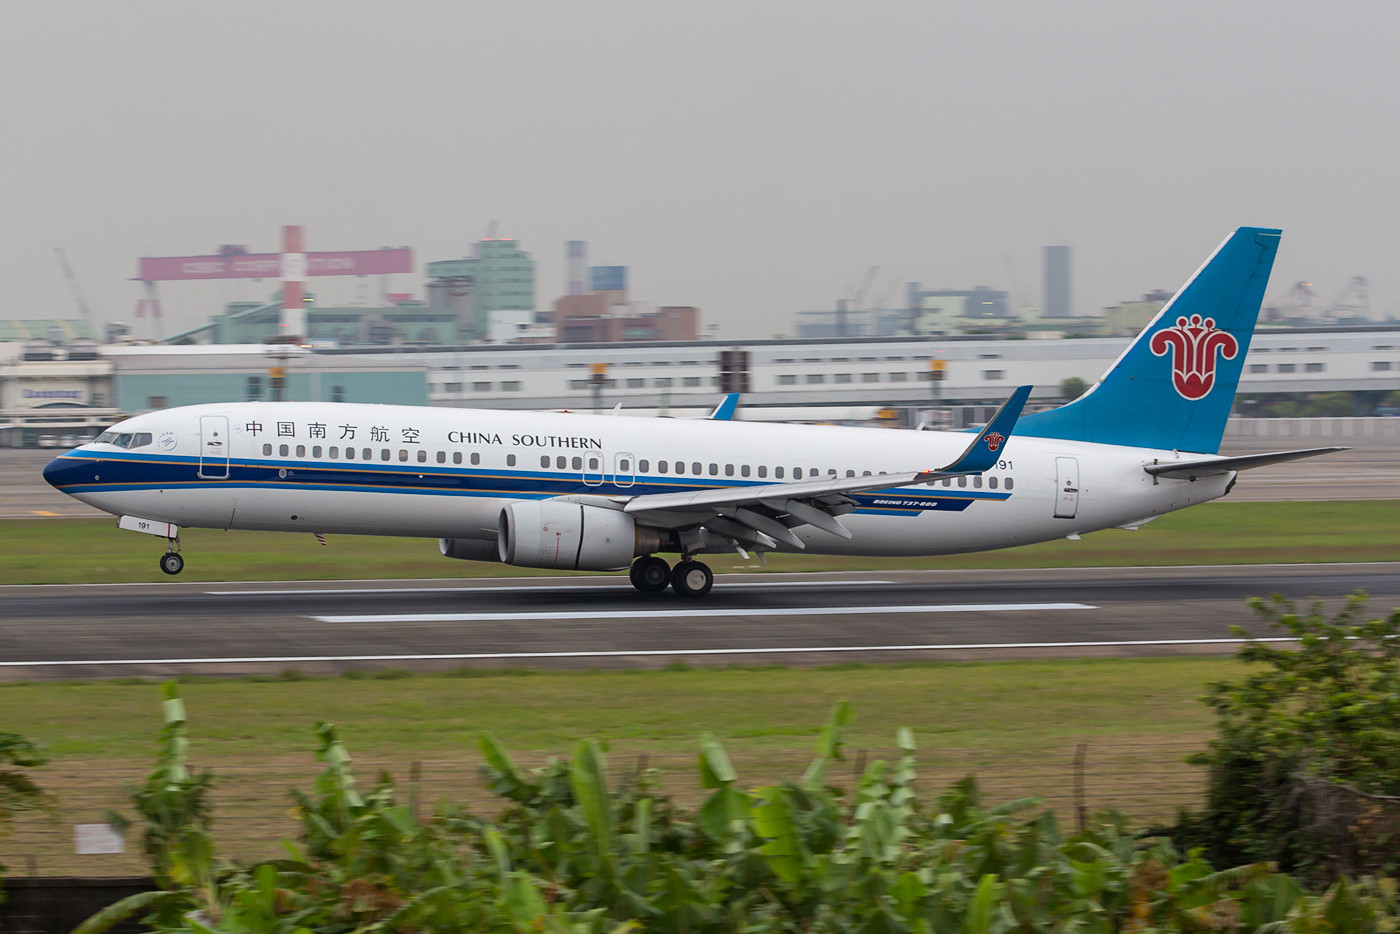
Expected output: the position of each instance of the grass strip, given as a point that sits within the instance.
(1017, 725)
(94, 551)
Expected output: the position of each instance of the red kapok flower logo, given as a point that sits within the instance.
(1194, 345)
(994, 440)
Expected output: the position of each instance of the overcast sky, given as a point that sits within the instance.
(752, 158)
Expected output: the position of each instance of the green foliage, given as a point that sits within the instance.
(1314, 713)
(19, 792)
(577, 852)
(1072, 388)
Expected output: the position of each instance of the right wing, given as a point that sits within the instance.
(760, 516)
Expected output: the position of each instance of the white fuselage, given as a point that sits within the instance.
(447, 473)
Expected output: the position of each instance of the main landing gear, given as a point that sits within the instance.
(171, 562)
(651, 574)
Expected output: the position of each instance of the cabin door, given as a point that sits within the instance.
(213, 447)
(1066, 487)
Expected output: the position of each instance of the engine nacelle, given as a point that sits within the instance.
(570, 536)
(469, 549)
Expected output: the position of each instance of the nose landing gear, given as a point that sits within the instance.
(171, 562)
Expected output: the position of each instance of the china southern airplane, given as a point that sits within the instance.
(600, 493)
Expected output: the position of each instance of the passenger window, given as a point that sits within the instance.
(624, 465)
(850, 473)
(695, 468)
(977, 483)
(865, 473)
(643, 466)
(714, 470)
(442, 457)
(349, 454)
(1009, 483)
(561, 462)
(577, 463)
(662, 467)
(680, 467)
(797, 473)
(423, 456)
(335, 452)
(282, 450)
(762, 470)
(729, 470)
(777, 473)
(267, 450)
(366, 454)
(384, 454)
(743, 470)
(510, 460)
(544, 460)
(403, 456)
(301, 450)
(947, 481)
(992, 483)
(316, 451)
(962, 481)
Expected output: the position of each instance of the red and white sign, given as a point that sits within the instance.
(269, 265)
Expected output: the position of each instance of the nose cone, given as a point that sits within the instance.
(59, 472)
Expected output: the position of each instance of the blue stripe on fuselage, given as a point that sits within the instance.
(89, 473)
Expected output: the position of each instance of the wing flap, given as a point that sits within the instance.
(773, 509)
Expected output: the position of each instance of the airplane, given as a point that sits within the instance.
(588, 492)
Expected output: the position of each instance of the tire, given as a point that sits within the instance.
(172, 563)
(692, 579)
(650, 574)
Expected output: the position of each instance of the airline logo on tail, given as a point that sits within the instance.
(1194, 346)
(994, 440)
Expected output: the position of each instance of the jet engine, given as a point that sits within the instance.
(571, 536)
(469, 549)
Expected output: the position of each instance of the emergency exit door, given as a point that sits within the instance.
(1066, 487)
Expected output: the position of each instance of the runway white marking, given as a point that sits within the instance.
(637, 653)
(553, 588)
(705, 613)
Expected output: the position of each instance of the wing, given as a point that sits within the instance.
(761, 516)
(1211, 466)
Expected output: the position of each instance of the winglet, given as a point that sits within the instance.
(990, 444)
(724, 412)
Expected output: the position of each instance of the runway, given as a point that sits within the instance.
(157, 630)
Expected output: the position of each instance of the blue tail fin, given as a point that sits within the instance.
(1175, 384)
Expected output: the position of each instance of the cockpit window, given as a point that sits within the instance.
(127, 439)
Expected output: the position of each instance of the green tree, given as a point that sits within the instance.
(1332, 405)
(1072, 388)
(19, 792)
(1320, 709)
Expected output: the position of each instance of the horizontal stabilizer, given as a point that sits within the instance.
(1213, 466)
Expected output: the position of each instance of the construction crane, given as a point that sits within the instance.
(77, 290)
(854, 303)
(1353, 302)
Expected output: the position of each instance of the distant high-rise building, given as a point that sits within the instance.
(608, 279)
(501, 277)
(576, 253)
(1057, 282)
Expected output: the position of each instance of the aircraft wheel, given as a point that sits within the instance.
(650, 574)
(692, 579)
(172, 563)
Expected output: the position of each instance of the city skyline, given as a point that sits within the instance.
(751, 160)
